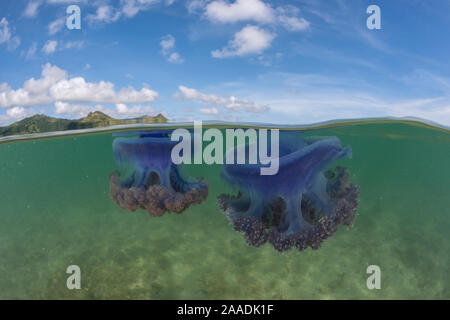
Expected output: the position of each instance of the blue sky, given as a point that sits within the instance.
(290, 62)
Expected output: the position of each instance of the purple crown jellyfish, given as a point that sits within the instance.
(302, 204)
(155, 184)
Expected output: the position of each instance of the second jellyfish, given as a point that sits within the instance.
(302, 204)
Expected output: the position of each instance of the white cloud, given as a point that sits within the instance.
(73, 45)
(267, 60)
(50, 76)
(76, 110)
(247, 105)
(31, 51)
(134, 111)
(56, 26)
(230, 103)
(316, 107)
(50, 47)
(13, 43)
(315, 98)
(7, 37)
(287, 16)
(294, 23)
(249, 40)
(194, 6)
(175, 58)
(241, 10)
(128, 9)
(104, 14)
(192, 94)
(209, 111)
(5, 34)
(15, 114)
(221, 11)
(132, 7)
(55, 85)
(77, 89)
(120, 111)
(167, 44)
(33, 92)
(121, 107)
(65, 1)
(31, 9)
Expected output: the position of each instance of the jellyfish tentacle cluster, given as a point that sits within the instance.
(155, 184)
(301, 205)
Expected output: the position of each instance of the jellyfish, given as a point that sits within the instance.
(301, 205)
(155, 183)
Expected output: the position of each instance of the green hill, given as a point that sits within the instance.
(43, 123)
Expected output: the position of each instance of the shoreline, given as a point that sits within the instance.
(222, 125)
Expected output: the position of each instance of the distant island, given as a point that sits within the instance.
(42, 123)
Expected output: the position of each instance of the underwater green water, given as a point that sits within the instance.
(55, 211)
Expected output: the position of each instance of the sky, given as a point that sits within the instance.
(284, 62)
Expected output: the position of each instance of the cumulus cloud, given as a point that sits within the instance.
(258, 11)
(77, 110)
(73, 45)
(293, 23)
(209, 111)
(167, 44)
(249, 40)
(31, 9)
(31, 51)
(132, 7)
(134, 111)
(77, 89)
(56, 26)
(50, 47)
(195, 6)
(127, 8)
(287, 16)
(174, 57)
(241, 10)
(120, 111)
(7, 37)
(230, 103)
(65, 1)
(104, 14)
(316, 107)
(55, 85)
(16, 114)
(33, 92)
(5, 34)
